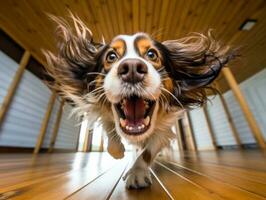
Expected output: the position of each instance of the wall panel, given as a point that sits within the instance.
(200, 129)
(219, 122)
(8, 69)
(68, 131)
(255, 94)
(51, 124)
(23, 120)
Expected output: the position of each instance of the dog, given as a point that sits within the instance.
(136, 86)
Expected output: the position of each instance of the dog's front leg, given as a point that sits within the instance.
(115, 147)
(139, 175)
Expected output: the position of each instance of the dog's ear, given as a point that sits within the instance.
(76, 57)
(193, 62)
(196, 60)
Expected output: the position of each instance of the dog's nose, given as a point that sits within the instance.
(132, 70)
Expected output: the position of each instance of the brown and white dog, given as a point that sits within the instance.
(135, 85)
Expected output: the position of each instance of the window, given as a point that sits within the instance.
(98, 133)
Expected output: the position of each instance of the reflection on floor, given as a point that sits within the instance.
(205, 175)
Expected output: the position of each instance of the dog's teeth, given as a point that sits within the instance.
(127, 127)
(147, 106)
(122, 122)
(130, 128)
(139, 127)
(142, 126)
(147, 120)
(124, 101)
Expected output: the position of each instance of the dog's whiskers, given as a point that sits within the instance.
(164, 79)
(102, 98)
(149, 93)
(161, 69)
(167, 91)
(97, 90)
(94, 82)
(95, 73)
(164, 100)
(163, 73)
(112, 130)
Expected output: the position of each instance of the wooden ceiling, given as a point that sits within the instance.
(26, 22)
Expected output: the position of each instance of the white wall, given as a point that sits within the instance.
(23, 119)
(68, 133)
(254, 90)
(8, 69)
(51, 124)
(200, 129)
(220, 124)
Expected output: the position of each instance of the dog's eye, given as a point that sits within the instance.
(111, 57)
(152, 55)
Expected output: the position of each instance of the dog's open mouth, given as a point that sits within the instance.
(135, 114)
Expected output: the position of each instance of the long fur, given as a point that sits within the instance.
(193, 62)
(77, 56)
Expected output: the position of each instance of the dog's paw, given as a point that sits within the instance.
(138, 178)
(116, 150)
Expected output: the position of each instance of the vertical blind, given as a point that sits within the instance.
(24, 117)
(51, 124)
(219, 122)
(254, 92)
(68, 131)
(23, 120)
(200, 129)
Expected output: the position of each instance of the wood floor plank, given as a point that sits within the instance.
(248, 159)
(214, 186)
(37, 170)
(189, 175)
(32, 169)
(247, 174)
(236, 177)
(64, 185)
(181, 188)
(103, 186)
(7, 182)
(29, 161)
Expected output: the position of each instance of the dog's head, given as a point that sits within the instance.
(134, 76)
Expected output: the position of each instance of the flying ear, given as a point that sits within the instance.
(196, 60)
(76, 57)
(192, 63)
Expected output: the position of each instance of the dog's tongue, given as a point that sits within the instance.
(134, 110)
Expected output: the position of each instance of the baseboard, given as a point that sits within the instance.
(5, 149)
(244, 146)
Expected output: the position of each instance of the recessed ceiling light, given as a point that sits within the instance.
(248, 24)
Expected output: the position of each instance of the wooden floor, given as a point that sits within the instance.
(201, 176)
